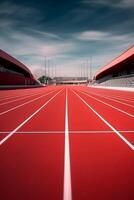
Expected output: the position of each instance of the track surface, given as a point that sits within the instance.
(66, 143)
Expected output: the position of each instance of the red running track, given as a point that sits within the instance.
(66, 143)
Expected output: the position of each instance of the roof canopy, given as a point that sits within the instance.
(115, 63)
(14, 61)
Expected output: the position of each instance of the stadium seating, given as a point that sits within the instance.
(123, 81)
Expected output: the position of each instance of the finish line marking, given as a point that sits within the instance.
(67, 190)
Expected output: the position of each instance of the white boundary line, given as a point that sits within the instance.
(24, 97)
(11, 109)
(113, 88)
(12, 97)
(78, 131)
(110, 98)
(67, 189)
(26, 120)
(130, 115)
(34, 132)
(126, 104)
(120, 98)
(106, 122)
(115, 97)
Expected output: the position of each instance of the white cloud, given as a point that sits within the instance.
(31, 45)
(103, 36)
(111, 3)
(25, 44)
(31, 49)
(92, 35)
(46, 34)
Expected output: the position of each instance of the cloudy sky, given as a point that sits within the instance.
(67, 32)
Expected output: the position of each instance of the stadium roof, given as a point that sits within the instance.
(115, 63)
(14, 61)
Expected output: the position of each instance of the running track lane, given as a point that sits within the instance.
(10, 104)
(101, 163)
(17, 116)
(32, 167)
(33, 164)
(118, 120)
(15, 93)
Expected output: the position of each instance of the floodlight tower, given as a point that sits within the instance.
(48, 68)
(45, 66)
(55, 71)
(52, 69)
(90, 68)
(87, 70)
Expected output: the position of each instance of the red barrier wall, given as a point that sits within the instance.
(11, 79)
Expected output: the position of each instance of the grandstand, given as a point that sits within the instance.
(119, 72)
(71, 80)
(13, 72)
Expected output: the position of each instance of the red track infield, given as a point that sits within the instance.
(38, 163)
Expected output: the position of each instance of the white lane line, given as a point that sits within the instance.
(12, 97)
(57, 132)
(21, 95)
(120, 99)
(25, 121)
(126, 104)
(24, 97)
(67, 189)
(114, 107)
(106, 122)
(81, 131)
(128, 89)
(11, 109)
(114, 97)
(34, 132)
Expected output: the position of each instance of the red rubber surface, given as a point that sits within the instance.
(32, 167)
(102, 167)
(32, 160)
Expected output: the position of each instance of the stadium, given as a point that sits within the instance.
(13, 72)
(119, 72)
(67, 141)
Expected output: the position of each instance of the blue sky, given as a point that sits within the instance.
(67, 32)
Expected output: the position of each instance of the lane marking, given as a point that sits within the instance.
(127, 89)
(106, 122)
(11, 109)
(118, 97)
(121, 99)
(34, 132)
(112, 99)
(24, 97)
(25, 121)
(107, 104)
(67, 190)
(58, 132)
(13, 97)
